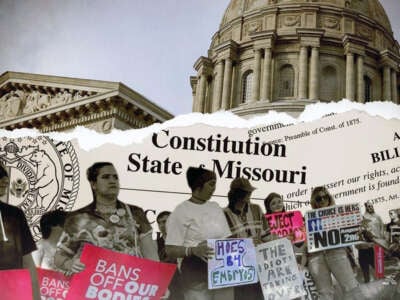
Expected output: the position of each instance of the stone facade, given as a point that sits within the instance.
(52, 103)
(283, 54)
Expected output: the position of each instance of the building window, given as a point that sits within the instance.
(368, 89)
(247, 83)
(286, 88)
(329, 84)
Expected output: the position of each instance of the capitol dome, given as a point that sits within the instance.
(283, 54)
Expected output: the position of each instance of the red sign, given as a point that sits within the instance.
(113, 275)
(379, 262)
(15, 285)
(53, 285)
(288, 224)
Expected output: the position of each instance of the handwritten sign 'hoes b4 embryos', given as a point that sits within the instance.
(234, 263)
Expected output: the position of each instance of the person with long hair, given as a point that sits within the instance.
(106, 222)
(188, 227)
(324, 264)
(274, 203)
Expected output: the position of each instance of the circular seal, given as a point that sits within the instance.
(44, 175)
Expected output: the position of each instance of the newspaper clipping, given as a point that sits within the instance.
(162, 198)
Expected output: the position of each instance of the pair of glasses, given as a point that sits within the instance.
(320, 198)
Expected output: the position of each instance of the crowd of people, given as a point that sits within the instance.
(108, 222)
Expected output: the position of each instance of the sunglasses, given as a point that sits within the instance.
(320, 198)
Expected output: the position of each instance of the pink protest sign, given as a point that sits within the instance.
(113, 275)
(287, 224)
(15, 285)
(53, 285)
(379, 255)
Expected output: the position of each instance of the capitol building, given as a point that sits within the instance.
(284, 54)
(266, 55)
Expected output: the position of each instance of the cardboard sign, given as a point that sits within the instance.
(379, 262)
(234, 263)
(53, 285)
(113, 275)
(287, 224)
(15, 285)
(309, 285)
(333, 227)
(278, 272)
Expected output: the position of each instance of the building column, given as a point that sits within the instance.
(266, 82)
(256, 78)
(201, 93)
(386, 83)
(360, 79)
(395, 96)
(218, 86)
(303, 72)
(350, 76)
(314, 74)
(226, 91)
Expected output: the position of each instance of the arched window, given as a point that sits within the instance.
(329, 84)
(368, 89)
(247, 83)
(286, 86)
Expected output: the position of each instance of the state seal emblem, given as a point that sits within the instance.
(44, 175)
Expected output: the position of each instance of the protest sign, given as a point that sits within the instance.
(333, 227)
(113, 275)
(234, 263)
(53, 285)
(379, 260)
(278, 271)
(15, 285)
(287, 223)
(309, 285)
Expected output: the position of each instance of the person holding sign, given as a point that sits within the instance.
(188, 227)
(246, 220)
(106, 222)
(16, 242)
(333, 261)
(273, 205)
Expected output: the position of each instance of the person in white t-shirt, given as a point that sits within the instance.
(188, 228)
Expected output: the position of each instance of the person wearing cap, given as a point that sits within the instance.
(188, 227)
(323, 264)
(16, 241)
(246, 220)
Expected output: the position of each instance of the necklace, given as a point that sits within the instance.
(115, 214)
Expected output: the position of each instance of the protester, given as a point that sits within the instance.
(51, 226)
(106, 222)
(175, 287)
(324, 264)
(394, 221)
(189, 226)
(16, 242)
(373, 229)
(246, 220)
(274, 203)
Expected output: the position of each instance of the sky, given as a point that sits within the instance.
(149, 45)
